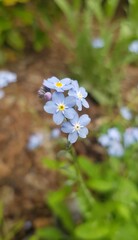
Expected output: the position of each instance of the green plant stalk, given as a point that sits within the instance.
(80, 180)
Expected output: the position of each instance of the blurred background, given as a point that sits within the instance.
(95, 42)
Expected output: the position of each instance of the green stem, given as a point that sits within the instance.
(85, 191)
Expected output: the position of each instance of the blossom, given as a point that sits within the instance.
(133, 47)
(114, 134)
(104, 140)
(80, 94)
(7, 77)
(55, 133)
(76, 127)
(35, 140)
(61, 107)
(126, 113)
(130, 136)
(116, 149)
(98, 43)
(58, 85)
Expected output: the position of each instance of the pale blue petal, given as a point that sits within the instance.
(85, 103)
(84, 120)
(48, 84)
(60, 90)
(58, 97)
(53, 80)
(67, 127)
(70, 101)
(72, 137)
(69, 113)
(66, 81)
(58, 118)
(79, 104)
(75, 85)
(50, 107)
(75, 118)
(67, 87)
(72, 93)
(83, 92)
(83, 132)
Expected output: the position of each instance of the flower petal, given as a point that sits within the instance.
(50, 107)
(75, 118)
(58, 118)
(70, 101)
(69, 113)
(66, 81)
(72, 137)
(84, 120)
(53, 80)
(58, 97)
(67, 127)
(85, 103)
(83, 92)
(48, 84)
(79, 104)
(83, 132)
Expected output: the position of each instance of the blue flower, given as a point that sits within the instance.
(80, 94)
(126, 113)
(61, 107)
(130, 136)
(35, 141)
(7, 77)
(114, 134)
(133, 47)
(116, 149)
(58, 85)
(76, 127)
(98, 43)
(104, 140)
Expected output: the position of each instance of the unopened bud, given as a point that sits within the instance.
(47, 96)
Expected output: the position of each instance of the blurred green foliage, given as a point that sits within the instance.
(100, 69)
(25, 24)
(114, 186)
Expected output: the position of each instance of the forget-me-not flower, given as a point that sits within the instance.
(104, 140)
(76, 127)
(58, 85)
(61, 107)
(80, 94)
(116, 149)
(97, 43)
(114, 134)
(7, 77)
(35, 140)
(133, 47)
(126, 113)
(130, 136)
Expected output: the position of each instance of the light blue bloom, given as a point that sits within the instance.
(126, 113)
(55, 133)
(80, 94)
(58, 85)
(7, 77)
(133, 47)
(61, 107)
(104, 140)
(35, 140)
(130, 136)
(114, 134)
(116, 149)
(76, 127)
(98, 43)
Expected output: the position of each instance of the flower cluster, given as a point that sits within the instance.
(115, 142)
(63, 99)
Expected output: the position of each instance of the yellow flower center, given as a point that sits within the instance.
(59, 84)
(77, 127)
(61, 107)
(79, 95)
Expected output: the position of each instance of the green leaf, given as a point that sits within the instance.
(49, 233)
(101, 185)
(91, 230)
(15, 39)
